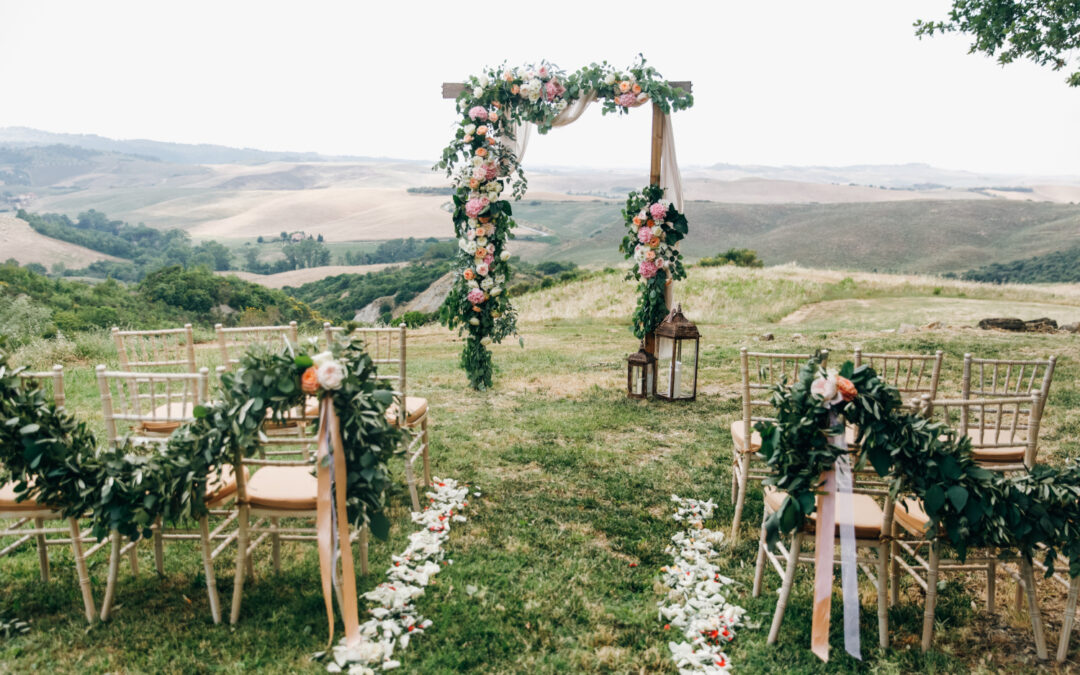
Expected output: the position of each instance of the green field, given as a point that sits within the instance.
(565, 546)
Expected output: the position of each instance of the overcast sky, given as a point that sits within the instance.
(799, 83)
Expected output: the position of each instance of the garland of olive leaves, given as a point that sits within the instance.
(654, 229)
(975, 507)
(54, 458)
(482, 163)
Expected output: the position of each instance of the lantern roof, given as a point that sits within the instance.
(641, 357)
(677, 326)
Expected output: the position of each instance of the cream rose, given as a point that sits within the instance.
(331, 374)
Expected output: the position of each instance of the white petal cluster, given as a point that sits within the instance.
(695, 602)
(394, 619)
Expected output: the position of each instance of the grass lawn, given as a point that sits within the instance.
(576, 483)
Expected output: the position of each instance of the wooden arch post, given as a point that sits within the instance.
(452, 90)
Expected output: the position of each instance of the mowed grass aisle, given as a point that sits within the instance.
(556, 569)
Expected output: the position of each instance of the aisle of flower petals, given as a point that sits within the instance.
(695, 603)
(394, 619)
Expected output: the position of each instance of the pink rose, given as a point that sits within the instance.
(475, 296)
(474, 207)
(482, 269)
(644, 234)
(553, 90)
(626, 100)
(543, 72)
(658, 211)
(488, 259)
(647, 269)
(478, 112)
(492, 171)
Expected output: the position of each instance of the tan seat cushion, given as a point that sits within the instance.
(738, 437)
(909, 514)
(868, 515)
(1004, 454)
(415, 408)
(168, 418)
(220, 488)
(283, 487)
(8, 503)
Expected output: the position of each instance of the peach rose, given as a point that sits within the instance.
(482, 129)
(515, 89)
(493, 116)
(624, 86)
(473, 183)
(637, 221)
(469, 274)
(650, 255)
(654, 242)
(846, 388)
(637, 88)
(481, 152)
(309, 381)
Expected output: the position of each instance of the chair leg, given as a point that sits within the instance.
(740, 498)
(759, 566)
(991, 586)
(241, 563)
(427, 455)
(159, 550)
(785, 588)
(275, 545)
(1070, 617)
(208, 570)
(931, 597)
(1028, 575)
(883, 593)
(114, 570)
(80, 569)
(410, 478)
(42, 550)
(894, 564)
(363, 551)
(1018, 597)
(133, 558)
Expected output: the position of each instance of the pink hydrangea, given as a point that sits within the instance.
(475, 296)
(478, 112)
(626, 100)
(492, 170)
(647, 269)
(658, 211)
(553, 90)
(644, 234)
(474, 207)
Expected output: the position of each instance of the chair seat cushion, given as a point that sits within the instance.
(221, 487)
(868, 515)
(909, 514)
(1011, 453)
(415, 408)
(168, 418)
(8, 503)
(738, 437)
(283, 487)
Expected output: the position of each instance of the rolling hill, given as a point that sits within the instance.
(19, 241)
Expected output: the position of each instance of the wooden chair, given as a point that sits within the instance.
(145, 408)
(156, 350)
(387, 347)
(278, 487)
(232, 342)
(28, 517)
(761, 371)
(1004, 431)
(913, 375)
(1007, 378)
(871, 521)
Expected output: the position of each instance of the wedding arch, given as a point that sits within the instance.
(498, 109)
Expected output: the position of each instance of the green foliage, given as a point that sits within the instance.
(739, 257)
(399, 250)
(417, 319)
(652, 305)
(200, 291)
(430, 190)
(1052, 268)
(339, 297)
(1046, 32)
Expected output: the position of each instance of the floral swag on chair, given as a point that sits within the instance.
(483, 160)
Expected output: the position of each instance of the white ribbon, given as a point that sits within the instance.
(845, 516)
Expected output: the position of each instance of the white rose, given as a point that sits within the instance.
(642, 97)
(473, 283)
(321, 358)
(485, 341)
(473, 222)
(330, 375)
(470, 129)
(477, 92)
(480, 241)
(656, 230)
(495, 291)
(484, 81)
(561, 105)
(505, 255)
(500, 278)
(474, 321)
(487, 283)
(609, 78)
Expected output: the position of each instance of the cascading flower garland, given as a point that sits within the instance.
(655, 228)
(976, 508)
(482, 163)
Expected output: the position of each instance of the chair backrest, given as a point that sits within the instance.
(1004, 422)
(914, 375)
(1007, 378)
(297, 449)
(232, 342)
(386, 347)
(761, 371)
(170, 349)
(54, 377)
(147, 407)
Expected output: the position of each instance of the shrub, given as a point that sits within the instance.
(740, 257)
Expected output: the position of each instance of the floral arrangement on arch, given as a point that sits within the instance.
(482, 163)
(654, 229)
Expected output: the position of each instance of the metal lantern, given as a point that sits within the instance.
(640, 373)
(677, 348)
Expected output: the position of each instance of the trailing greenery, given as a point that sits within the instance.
(339, 297)
(654, 230)
(1051, 268)
(975, 507)
(739, 257)
(53, 458)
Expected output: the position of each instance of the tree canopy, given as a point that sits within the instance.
(1044, 31)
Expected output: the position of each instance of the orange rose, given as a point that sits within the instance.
(485, 219)
(473, 183)
(482, 129)
(491, 140)
(624, 86)
(637, 88)
(497, 105)
(469, 275)
(637, 221)
(309, 381)
(846, 388)
(514, 89)
(650, 255)
(493, 116)
(476, 308)
(481, 152)
(649, 222)
(654, 242)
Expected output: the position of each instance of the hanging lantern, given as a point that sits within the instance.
(677, 344)
(640, 373)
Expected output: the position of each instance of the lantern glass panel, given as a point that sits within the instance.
(687, 354)
(637, 380)
(676, 367)
(665, 349)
